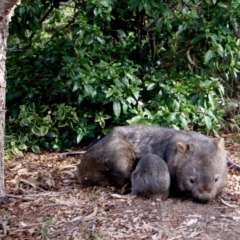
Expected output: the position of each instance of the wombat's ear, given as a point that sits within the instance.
(184, 148)
(219, 142)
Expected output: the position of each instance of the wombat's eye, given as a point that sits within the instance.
(216, 179)
(191, 180)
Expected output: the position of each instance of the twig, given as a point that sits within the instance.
(228, 204)
(233, 165)
(4, 224)
(32, 196)
(41, 21)
(69, 153)
(70, 229)
(80, 152)
(114, 195)
(22, 197)
(150, 25)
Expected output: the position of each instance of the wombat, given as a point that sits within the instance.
(108, 162)
(197, 164)
(151, 177)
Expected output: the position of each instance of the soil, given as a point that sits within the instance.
(45, 202)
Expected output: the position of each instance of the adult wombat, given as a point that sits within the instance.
(151, 177)
(197, 164)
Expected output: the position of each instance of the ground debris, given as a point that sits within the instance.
(46, 202)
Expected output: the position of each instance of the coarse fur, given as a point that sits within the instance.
(107, 163)
(151, 177)
(197, 164)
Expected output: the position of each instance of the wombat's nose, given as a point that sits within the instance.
(204, 197)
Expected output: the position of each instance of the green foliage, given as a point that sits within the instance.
(172, 101)
(79, 68)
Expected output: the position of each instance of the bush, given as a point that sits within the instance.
(92, 65)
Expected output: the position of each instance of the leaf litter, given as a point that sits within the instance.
(46, 202)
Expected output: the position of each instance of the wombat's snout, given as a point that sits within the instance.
(203, 196)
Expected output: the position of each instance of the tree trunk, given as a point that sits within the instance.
(6, 12)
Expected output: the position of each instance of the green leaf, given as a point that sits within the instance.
(43, 108)
(151, 86)
(100, 40)
(104, 3)
(67, 58)
(9, 138)
(16, 152)
(214, 38)
(169, 26)
(79, 137)
(51, 134)
(131, 100)
(121, 34)
(134, 120)
(26, 122)
(36, 131)
(117, 108)
(109, 92)
(135, 93)
(210, 98)
(194, 100)
(124, 107)
(182, 28)
(23, 147)
(184, 122)
(159, 24)
(220, 50)
(197, 38)
(62, 124)
(35, 149)
(134, 4)
(89, 90)
(80, 98)
(221, 90)
(76, 86)
(147, 113)
(208, 122)
(31, 107)
(47, 120)
(88, 39)
(40, 131)
(209, 55)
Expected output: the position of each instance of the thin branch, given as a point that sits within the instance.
(41, 21)
(233, 165)
(71, 228)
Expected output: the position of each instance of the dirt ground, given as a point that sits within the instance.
(46, 202)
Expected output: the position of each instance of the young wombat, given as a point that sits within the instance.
(151, 177)
(197, 164)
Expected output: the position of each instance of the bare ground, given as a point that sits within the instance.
(46, 202)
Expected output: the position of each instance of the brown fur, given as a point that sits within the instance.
(151, 177)
(111, 164)
(197, 164)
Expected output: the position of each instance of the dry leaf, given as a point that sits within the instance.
(86, 218)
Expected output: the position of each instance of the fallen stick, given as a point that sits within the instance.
(80, 152)
(32, 196)
(233, 165)
(77, 222)
(69, 153)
